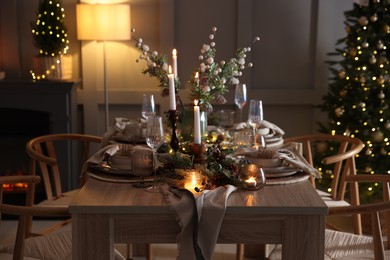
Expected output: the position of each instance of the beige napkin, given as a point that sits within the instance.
(265, 124)
(287, 152)
(199, 217)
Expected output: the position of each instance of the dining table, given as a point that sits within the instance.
(105, 213)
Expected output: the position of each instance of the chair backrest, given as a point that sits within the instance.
(42, 151)
(343, 159)
(26, 211)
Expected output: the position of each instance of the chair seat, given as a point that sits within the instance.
(54, 246)
(331, 202)
(339, 245)
(64, 200)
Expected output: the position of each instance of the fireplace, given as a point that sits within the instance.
(29, 109)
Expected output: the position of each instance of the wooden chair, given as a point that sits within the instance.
(48, 245)
(42, 151)
(343, 245)
(343, 161)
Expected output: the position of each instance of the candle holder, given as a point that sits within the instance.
(173, 117)
(252, 177)
(198, 150)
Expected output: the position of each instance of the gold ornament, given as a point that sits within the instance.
(342, 74)
(379, 45)
(381, 95)
(353, 52)
(386, 28)
(362, 79)
(368, 152)
(372, 60)
(376, 1)
(365, 44)
(380, 80)
(383, 151)
(347, 28)
(367, 169)
(342, 93)
(363, 21)
(377, 136)
(373, 18)
(362, 104)
(387, 124)
(321, 147)
(339, 111)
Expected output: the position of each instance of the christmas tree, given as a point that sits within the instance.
(49, 31)
(358, 98)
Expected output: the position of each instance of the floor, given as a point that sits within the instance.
(160, 251)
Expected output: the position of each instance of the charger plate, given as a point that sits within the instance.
(117, 178)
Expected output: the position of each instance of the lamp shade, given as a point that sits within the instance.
(103, 22)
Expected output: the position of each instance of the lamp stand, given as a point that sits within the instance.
(107, 119)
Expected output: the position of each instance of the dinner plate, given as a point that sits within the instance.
(118, 178)
(281, 171)
(111, 170)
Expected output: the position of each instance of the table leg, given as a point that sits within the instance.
(303, 238)
(92, 237)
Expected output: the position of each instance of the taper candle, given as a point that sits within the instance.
(174, 62)
(172, 92)
(197, 139)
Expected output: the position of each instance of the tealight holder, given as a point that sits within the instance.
(193, 181)
(252, 177)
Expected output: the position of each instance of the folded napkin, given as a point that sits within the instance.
(265, 124)
(200, 218)
(288, 153)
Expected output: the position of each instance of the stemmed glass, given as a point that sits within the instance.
(154, 138)
(255, 119)
(148, 108)
(240, 99)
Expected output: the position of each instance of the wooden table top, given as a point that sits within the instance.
(121, 198)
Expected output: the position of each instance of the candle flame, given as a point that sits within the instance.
(195, 102)
(251, 180)
(174, 53)
(169, 69)
(197, 75)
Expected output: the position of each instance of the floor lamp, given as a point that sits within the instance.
(103, 22)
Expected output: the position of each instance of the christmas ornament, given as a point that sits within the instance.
(362, 79)
(365, 44)
(374, 18)
(339, 111)
(343, 93)
(387, 124)
(342, 74)
(386, 28)
(321, 147)
(368, 152)
(372, 59)
(379, 45)
(377, 136)
(363, 21)
(362, 104)
(383, 151)
(367, 169)
(353, 52)
(376, 1)
(380, 80)
(381, 95)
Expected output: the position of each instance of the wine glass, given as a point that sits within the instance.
(154, 138)
(240, 99)
(255, 119)
(148, 108)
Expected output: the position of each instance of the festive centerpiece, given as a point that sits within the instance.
(197, 168)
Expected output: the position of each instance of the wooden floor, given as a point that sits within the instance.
(160, 251)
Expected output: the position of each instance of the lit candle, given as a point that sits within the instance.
(174, 62)
(196, 123)
(172, 92)
(193, 181)
(251, 182)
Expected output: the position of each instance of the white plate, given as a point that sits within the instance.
(281, 171)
